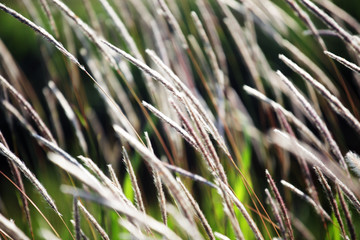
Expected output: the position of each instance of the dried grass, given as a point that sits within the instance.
(10, 229)
(176, 99)
(29, 175)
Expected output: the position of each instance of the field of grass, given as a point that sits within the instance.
(179, 119)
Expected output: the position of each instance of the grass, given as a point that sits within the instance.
(179, 119)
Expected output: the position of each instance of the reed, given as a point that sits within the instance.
(158, 185)
(332, 200)
(93, 221)
(10, 229)
(173, 86)
(29, 175)
(308, 199)
(316, 120)
(276, 212)
(283, 210)
(134, 183)
(76, 219)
